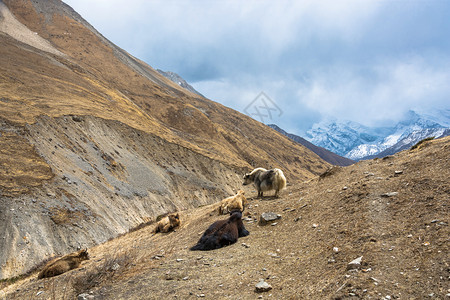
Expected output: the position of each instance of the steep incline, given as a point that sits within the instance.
(95, 141)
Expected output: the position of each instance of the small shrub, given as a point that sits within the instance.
(331, 171)
(422, 142)
(8, 281)
(102, 273)
(61, 215)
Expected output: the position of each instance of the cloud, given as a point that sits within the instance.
(383, 92)
(365, 61)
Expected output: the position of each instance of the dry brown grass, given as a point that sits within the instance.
(105, 271)
(61, 215)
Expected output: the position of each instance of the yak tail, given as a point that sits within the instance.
(280, 179)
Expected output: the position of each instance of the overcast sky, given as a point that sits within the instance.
(367, 61)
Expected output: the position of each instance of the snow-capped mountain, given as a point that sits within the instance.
(355, 141)
(410, 140)
(323, 153)
(341, 137)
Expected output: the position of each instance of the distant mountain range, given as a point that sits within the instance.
(357, 142)
(343, 143)
(323, 153)
(178, 80)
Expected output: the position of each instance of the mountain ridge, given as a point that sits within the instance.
(178, 80)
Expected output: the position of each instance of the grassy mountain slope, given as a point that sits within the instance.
(95, 141)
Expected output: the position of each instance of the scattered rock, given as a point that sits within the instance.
(398, 173)
(245, 245)
(304, 205)
(268, 217)
(274, 255)
(355, 264)
(335, 249)
(179, 259)
(38, 293)
(297, 219)
(77, 118)
(262, 287)
(85, 297)
(391, 194)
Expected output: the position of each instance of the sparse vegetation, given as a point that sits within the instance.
(331, 171)
(422, 142)
(103, 273)
(7, 281)
(141, 225)
(61, 215)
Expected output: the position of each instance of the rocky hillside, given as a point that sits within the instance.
(95, 142)
(388, 216)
